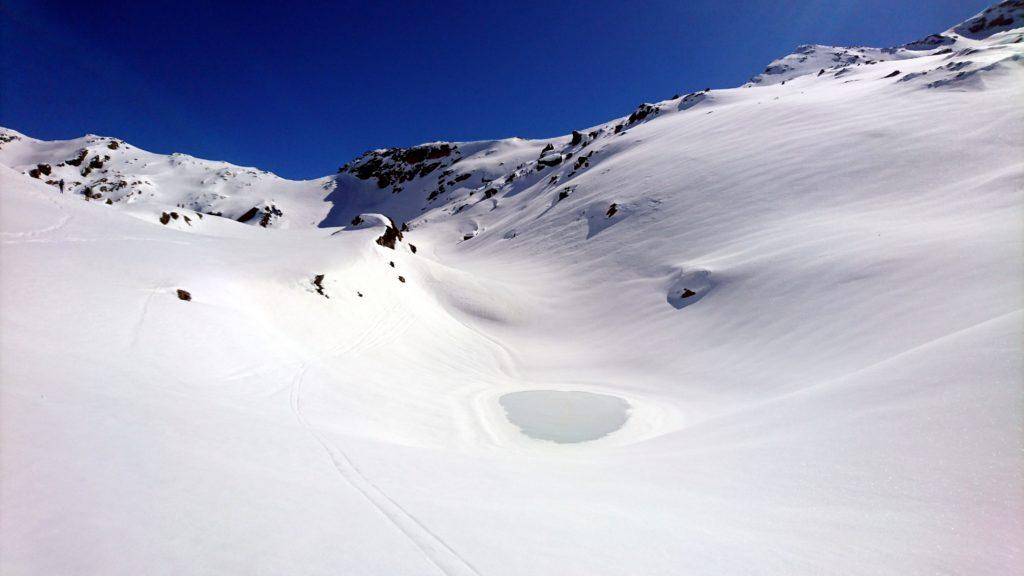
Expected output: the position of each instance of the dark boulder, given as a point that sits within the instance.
(390, 236)
(77, 161)
(318, 283)
(641, 113)
(550, 160)
(43, 169)
(249, 214)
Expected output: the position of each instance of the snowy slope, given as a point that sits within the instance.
(810, 294)
(112, 171)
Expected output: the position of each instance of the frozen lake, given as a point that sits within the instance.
(565, 417)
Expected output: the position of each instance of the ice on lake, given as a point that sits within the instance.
(565, 417)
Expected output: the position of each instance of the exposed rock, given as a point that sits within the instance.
(576, 138)
(165, 218)
(1003, 16)
(930, 42)
(393, 166)
(550, 160)
(77, 161)
(401, 279)
(687, 293)
(428, 168)
(641, 113)
(390, 236)
(5, 138)
(249, 214)
(43, 169)
(318, 283)
(612, 210)
(184, 295)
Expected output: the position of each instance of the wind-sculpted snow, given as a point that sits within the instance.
(800, 304)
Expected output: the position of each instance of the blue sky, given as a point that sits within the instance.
(300, 88)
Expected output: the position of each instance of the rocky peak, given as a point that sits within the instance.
(394, 166)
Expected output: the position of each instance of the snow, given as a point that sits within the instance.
(841, 394)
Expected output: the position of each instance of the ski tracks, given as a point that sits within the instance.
(442, 556)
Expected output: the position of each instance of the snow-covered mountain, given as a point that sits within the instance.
(790, 314)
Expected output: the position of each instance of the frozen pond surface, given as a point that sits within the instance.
(565, 417)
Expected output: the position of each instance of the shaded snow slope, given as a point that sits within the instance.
(809, 296)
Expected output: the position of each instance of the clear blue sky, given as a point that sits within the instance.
(300, 88)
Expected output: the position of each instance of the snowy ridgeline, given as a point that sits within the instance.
(773, 329)
(454, 176)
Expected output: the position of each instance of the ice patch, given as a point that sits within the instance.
(565, 417)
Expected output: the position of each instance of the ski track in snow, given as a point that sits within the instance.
(24, 237)
(137, 329)
(442, 556)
